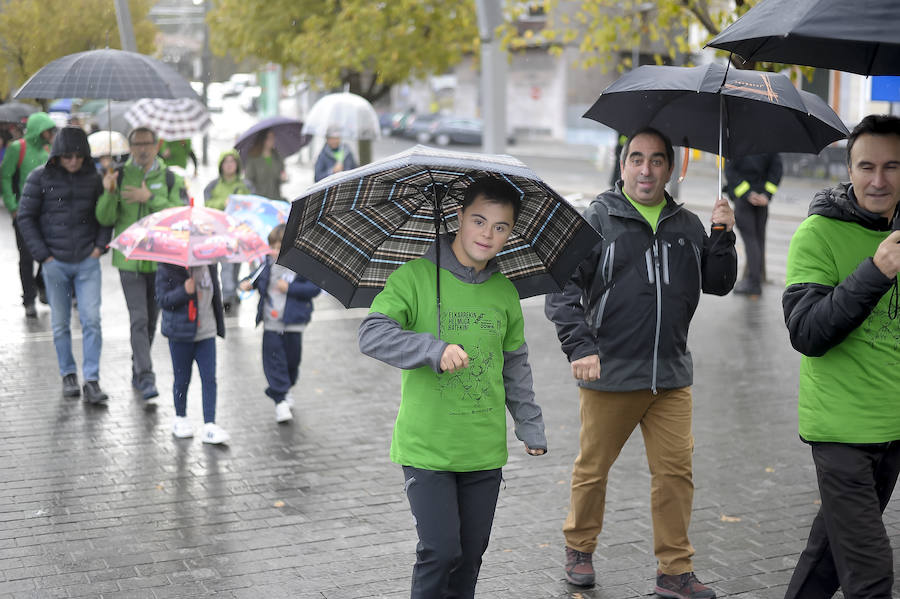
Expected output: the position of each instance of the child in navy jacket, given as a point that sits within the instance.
(285, 308)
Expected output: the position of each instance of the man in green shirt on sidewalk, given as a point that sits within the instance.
(21, 157)
(142, 187)
(841, 312)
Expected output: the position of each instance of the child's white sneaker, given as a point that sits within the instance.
(283, 412)
(215, 434)
(289, 400)
(182, 428)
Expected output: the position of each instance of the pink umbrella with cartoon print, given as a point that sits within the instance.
(190, 236)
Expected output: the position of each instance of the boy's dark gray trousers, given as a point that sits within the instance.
(453, 513)
(848, 545)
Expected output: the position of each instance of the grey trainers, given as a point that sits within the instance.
(70, 385)
(579, 568)
(682, 586)
(94, 394)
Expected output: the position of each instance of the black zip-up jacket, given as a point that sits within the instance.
(632, 299)
(56, 213)
(754, 172)
(819, 317)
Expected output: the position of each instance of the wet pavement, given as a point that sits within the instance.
(106, 503)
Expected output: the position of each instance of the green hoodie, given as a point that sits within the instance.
(36, 154)
(112, 210)
(217, 191)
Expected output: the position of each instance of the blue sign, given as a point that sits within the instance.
(886, 88)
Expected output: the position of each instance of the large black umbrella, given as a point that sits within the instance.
(858, 36)
(733, 114)
(353, 229)
(16, 112)
(289, 137)
(108, 74)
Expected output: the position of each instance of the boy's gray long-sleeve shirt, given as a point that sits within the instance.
(381, 337)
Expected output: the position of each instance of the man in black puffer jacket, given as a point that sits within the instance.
(56, 217)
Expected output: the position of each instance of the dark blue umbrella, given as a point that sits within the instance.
(64, 105)
(289, 137)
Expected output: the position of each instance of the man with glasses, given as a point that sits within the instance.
(143, 186)
(56, 218)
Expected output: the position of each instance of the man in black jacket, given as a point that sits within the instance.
(840, 308)
(751, 182)
(629, 305)
(56, 216)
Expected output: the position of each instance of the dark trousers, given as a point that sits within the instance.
(31, 281)
(281, 354)
(184, 354)
(848, 545)
(139, 289)
(751, 222)
(453, 513)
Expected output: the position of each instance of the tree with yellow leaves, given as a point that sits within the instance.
(34, 33)
(367, 46)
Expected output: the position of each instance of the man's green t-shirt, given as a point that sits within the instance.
(650, 213)
(849, 394)
(453, 421)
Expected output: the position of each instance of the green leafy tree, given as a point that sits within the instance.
(605, 30)
(33, 33)
(365, 45)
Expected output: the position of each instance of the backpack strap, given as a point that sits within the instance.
(21, 153)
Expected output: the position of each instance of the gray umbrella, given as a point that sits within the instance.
(112, 117)
(858, 37)
(16, 112)
(109, 74)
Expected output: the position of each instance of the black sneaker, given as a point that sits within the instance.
(148, 390)
(745, 287)
(682, 586)
(30, 311)
(70, 385)
(42, 295)
(94, 394)
(579, 568)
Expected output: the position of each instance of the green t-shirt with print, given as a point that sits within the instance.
(453, 421)
(847, 395)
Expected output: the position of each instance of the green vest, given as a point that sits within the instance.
(849, 394)
(453, 421)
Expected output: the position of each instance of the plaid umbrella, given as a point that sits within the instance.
(189, 236)
(353, 229)
(107, 73)
(179, 118)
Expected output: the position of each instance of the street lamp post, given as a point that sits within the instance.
(493, 77)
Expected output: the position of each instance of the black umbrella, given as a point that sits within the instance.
(288, 136)
(16, 112)
(353, 229)
(760, 112)
(108, 74)
(858, 36)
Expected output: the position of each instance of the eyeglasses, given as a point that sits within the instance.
(143, 143)
(69, 156)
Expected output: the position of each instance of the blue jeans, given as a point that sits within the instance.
(281, 353)
(61, 279)
(184, 354)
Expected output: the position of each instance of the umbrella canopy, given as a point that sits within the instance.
(353, 229)
(289, 137)
(179, 118)
(113, 117)
(16, 112)
(108, 143)
(345, 115)
(92, 106)
(63, 105)
(760, 112)
(189, 236)
(259, 213)
(858, 37)
(107, 73)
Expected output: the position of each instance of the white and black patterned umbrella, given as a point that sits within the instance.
(107, 74)
(353, 229)
(179, 118)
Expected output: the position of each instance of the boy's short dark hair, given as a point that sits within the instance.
(276, 235)
(493, 190)
(874, 124)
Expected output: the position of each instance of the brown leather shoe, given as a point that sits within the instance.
(682, 586)
(579, 568)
